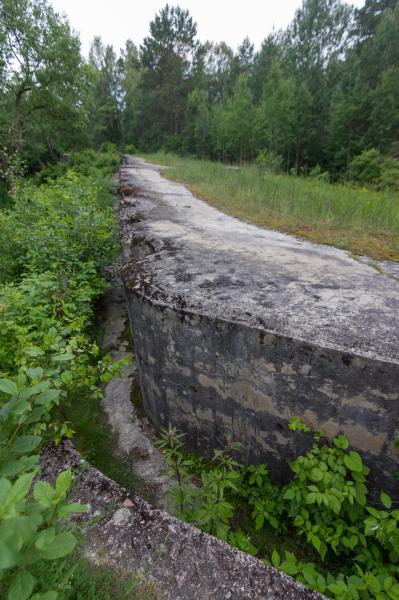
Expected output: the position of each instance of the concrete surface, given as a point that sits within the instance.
(174, 560)
(238, 328)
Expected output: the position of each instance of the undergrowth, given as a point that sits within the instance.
(346, 548)
(55, 240)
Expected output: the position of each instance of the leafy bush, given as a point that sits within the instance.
(54, 242)
(28, 530)
(372, 167)
(57, 227)
(130, 149)
(269, 161)
(325, 504)
(317, 173)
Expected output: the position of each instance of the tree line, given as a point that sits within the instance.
(314, 96)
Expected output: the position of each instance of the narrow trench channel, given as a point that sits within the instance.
(112, 433)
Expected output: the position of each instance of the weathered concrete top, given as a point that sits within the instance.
(200, 259)
(174, 560)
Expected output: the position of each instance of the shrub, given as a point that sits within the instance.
(269, 161)
(371, 167)
(325, 506)
(130, 149)
(54, 242)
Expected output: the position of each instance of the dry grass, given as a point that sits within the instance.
(359, 220)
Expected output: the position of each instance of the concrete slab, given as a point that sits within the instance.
(231, 269)
(330, 320)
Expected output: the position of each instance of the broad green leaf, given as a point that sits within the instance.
(5, 487)
(33, 351)
(47, 396)
(8, 558)
(11, 468)
(67, 377)
(45, 538)
(341, 442)
(289, 494)
(20, 489)
(74, 507)
(43, 493)
(8, 387)
(25, 444)
(335, 504)
(311, 498)
(289, 567)
(276, 558)
(35, 373)
(259, 521)
(32, 390)
(63, 357)
(60, 546)
(353, 462)
(316, 474)
(386, 500)
(63, 483)
(22, 587)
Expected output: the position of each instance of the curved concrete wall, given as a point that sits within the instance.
(211, 377)
(237, 329)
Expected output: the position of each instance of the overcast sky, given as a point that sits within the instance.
(229, 20)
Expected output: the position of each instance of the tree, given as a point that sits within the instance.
(219, 69)
(271, 51)
(105, 99)
(275, 118)
(244, 57)
(240, 122)
(129, 66)
(369, 16)
(167, 57)
(315, 43)
(42, 72)
(196, 133)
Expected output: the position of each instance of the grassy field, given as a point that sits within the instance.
(360, 220)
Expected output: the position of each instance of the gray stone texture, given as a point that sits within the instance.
(238, 328)
(174, 560)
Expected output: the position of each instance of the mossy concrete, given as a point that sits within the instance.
(239, 328)
(174, 560)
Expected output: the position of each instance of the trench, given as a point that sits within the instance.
(112, 432)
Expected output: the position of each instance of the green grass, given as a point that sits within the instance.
(98, 444)
(75, 579)
(360, 220)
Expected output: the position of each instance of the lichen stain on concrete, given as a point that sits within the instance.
(232, 339)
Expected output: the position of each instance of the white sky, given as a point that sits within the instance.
(228, 20)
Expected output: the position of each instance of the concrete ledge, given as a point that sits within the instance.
(177, 561)
(238, 328)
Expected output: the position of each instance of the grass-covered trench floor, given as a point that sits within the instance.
(361, 220)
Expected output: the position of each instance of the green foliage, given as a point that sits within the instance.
(324, 506)
(269, 161)
(42, 79)
(81, 230)
(371, 167)
(74, 578)
(130, 149)
(28, 531)
(55, 240)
